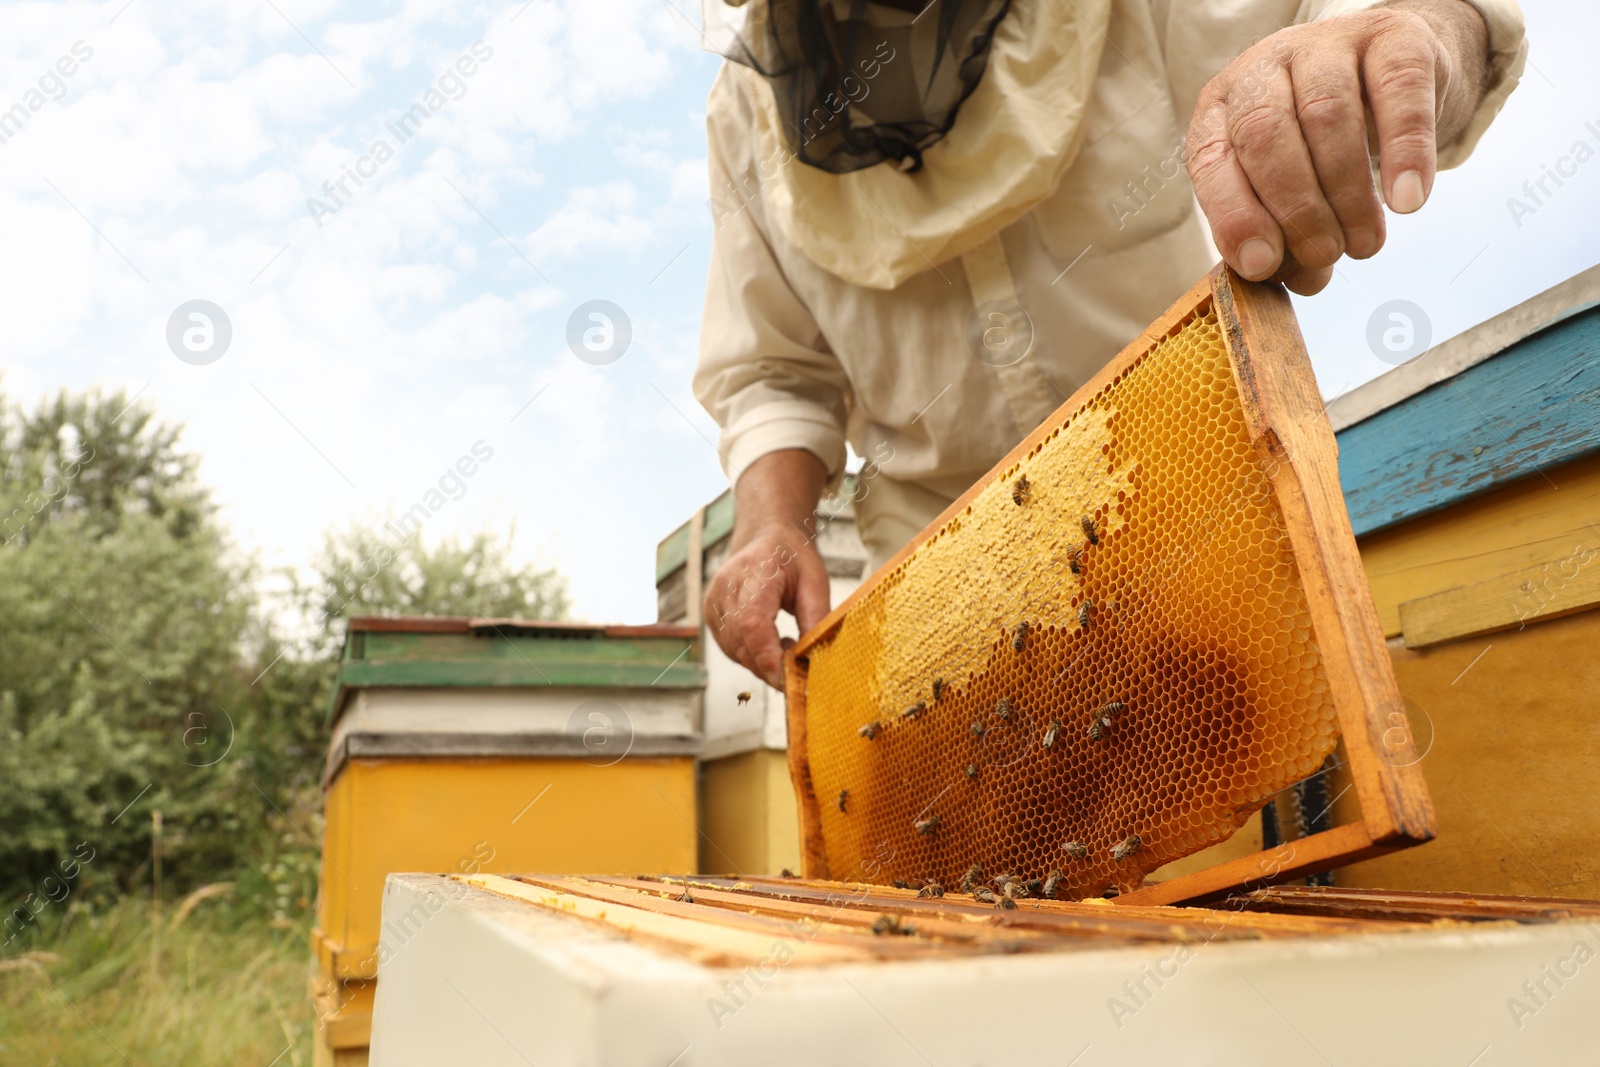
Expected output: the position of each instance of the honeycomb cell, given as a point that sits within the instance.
(1149, 504)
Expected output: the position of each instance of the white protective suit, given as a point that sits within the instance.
(843, 307)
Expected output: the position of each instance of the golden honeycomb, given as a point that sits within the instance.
(1195, 654)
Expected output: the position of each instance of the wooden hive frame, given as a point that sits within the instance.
(1294, 442)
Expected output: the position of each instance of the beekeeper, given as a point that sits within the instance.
(936, 219)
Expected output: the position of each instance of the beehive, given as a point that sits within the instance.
(1143, 623)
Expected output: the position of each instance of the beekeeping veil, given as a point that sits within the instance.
(896, 134)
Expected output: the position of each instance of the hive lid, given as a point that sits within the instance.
(1143, 623)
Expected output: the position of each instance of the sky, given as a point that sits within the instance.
(406, 301)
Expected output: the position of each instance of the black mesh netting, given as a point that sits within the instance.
(855, 82)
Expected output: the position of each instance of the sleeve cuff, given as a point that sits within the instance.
(1508, 57)
(776, 426)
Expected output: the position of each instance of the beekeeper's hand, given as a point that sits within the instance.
(1278, 149)
(775, 565)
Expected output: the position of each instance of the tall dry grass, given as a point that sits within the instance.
(203, 981)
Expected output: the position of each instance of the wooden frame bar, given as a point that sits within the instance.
(1290, 431)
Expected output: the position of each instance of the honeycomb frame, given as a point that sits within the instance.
(1140, 723)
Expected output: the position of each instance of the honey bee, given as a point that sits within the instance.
(900, 883)
(914, 710)
(1125, 849)
(1088, 530)
(1006, 904)
(685, 897)
(889, 925)
(1086, 613)
(744, 697)
(787, 873)
(972, 879)
(1075, 559)
(932, 889)
(1052, 733)
(1097, 730)
(1019, 637)
(1016, 891)
(1075, 850)
(972, 771)
(985, 895)
(928, 825)
(844, 798)
(1021, 491)
(1002, 710)
(870, 730)
(1112, 710)
(1051, 884)
(978, 729)
(1000, 881)
(1035, 887)
(938, 689)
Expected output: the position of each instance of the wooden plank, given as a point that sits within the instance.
(1537, 520)
(408, 624)
(706, 943)
(1094, 913)
(542, 672)
(1385, 905)
(1294, 859)
(1532, 407)
(1522, 597)
(1291, 432)
(673, 550)
(813, 855)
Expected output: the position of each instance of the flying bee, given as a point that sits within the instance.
(1075, 850)
(1051, 884)
(744, 697)
(870, 730)
(1097, 730)
(844, 798)
(928, 825)
(938, 689)
(972, 771)
(914, 710)
(977, 729)
(1019, 637)
(1075, 559)
(1021, 491)
(1127, 848)
(1088, 530)
(1086, 613)
(1002, 710)
(1052, 733)
(1112, 710)
(932, 889)
(972, 879)
(888, 925)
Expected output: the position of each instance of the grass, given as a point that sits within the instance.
(201, 982)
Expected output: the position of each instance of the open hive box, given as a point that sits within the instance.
(1146, 621)
(552, 969)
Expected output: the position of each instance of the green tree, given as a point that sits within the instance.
(141, 669)
(362, 571)
(121, 605)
